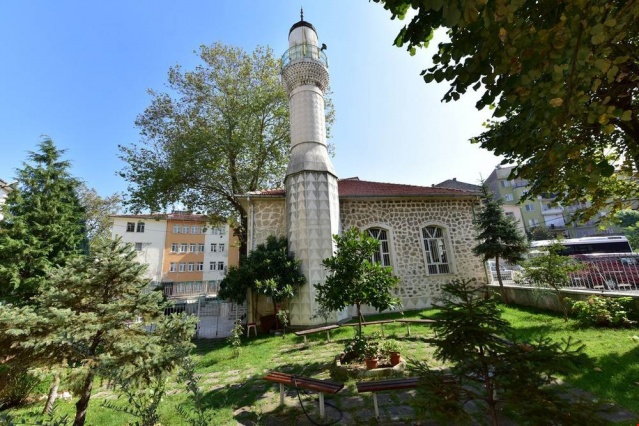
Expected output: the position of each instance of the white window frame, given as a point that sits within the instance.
(212, 266)
(185, 229)
(181, 267)
(432, 253)
(508, 197)
(200, 266)
(140, 227)
(176, 229)
(192, 247)
(138, 246)
(200, 248)
(173, 267)
(191, 266)
(184, 247)
(383, 255)
(213, 247)
(220, 266)
(221, 248)
(194, 229)
(530, 207)
(130, 227)
(175, 247)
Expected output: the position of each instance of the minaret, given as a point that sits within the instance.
(312, 204)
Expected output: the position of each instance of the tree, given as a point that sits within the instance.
(43, 224)
(94, 316)
(498, 236)
(561, 77)
(628, 220)
(223, 130)
(354, 279)
(97, 210)
(269, 270)
(488, 365)
(551, 270)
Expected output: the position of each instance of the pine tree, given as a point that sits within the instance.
(43, 224)
(94, 316)
(498, 236)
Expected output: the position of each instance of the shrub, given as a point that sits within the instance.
(390, 346)
(603, 311)
(361, 347)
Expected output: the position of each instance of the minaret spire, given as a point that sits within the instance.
(301, 13)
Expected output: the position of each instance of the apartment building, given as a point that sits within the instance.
(5, 188)
(542, 211)
(185, 255)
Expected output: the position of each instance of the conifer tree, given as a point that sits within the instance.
(498, 236)
(94, 315)
(43, 224)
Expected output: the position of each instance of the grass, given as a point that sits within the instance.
(236, 393)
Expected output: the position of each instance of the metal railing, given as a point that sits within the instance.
(615, 273)
(304, 51)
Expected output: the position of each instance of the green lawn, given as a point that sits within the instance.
(235, 391)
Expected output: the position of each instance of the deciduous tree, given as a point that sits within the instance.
(221, 130)
(269, 270)
(97, 210)
(562, 77)
(354, 279)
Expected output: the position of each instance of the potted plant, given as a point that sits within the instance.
(392, 348)
(371, 353)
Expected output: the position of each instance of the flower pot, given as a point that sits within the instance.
(371, 363)
(394, 358)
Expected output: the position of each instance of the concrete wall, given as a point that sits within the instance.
(547, 300)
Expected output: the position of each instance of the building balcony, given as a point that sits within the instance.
(304, 51)
(558, 210)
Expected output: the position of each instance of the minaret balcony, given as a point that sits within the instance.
(302, 52)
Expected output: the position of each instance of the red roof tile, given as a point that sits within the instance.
(354, 187)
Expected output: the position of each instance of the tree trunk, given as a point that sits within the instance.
(82, 405)
(504, 296)
(53, 394)
(359, 318)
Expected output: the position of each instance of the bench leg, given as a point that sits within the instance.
(375, 405)
(305, 339)
(281, 393)
(321, 404)
(382, 324)
(328, 335)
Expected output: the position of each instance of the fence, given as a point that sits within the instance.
(216, 318)
(613, 273)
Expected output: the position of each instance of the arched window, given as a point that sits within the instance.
(382, 256)
(437, 258)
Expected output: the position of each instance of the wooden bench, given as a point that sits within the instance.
(327, 328)
(384, 385)
(364, 324)
(316, 385)
(409, 321)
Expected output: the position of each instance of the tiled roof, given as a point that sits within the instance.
(353, 187)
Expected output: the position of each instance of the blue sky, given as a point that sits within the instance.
(78, 72)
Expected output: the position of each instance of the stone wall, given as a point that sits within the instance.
(269, 218)
(404, 220)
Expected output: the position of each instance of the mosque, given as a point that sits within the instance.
(426, 234)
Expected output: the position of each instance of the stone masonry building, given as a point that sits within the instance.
(425, 234)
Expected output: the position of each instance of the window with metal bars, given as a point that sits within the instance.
(382, 256)
(436, 251)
